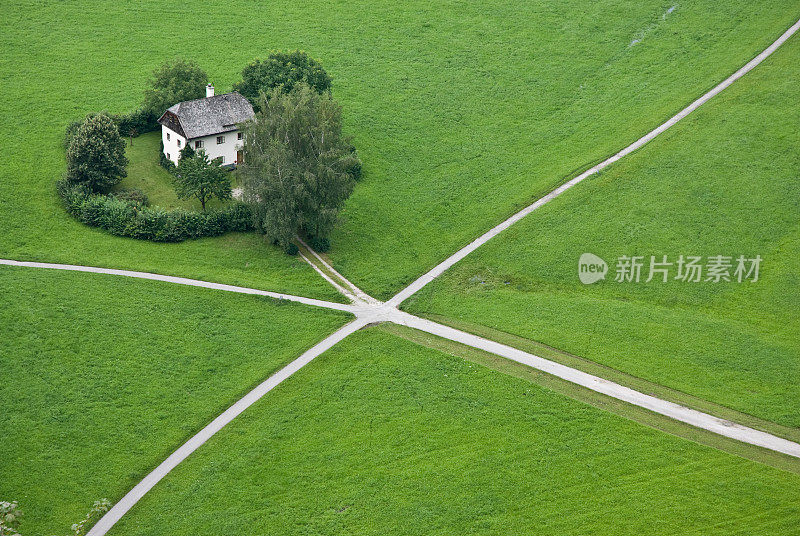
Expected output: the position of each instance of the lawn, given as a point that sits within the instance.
(382, 436)
(103, 377)
(146, 174)
(723, 182)
(461, 112)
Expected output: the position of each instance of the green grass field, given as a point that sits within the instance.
(725, 181)
(103, 377)
(461, 112)
(383, 436)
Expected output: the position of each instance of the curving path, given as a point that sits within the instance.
(369, 310)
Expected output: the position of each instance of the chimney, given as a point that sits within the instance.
(209, 91)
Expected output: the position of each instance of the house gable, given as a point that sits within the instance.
(172, 122)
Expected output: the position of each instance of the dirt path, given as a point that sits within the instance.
(183, 281)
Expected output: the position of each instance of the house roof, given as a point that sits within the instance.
(208, 116)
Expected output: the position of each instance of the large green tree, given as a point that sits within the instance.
(173, 82)
(282, 70)
(198, 177)
(297, 165)
(96, 154)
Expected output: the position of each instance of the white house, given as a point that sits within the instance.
(209, 124)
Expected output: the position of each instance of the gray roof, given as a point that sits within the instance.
(208, 116)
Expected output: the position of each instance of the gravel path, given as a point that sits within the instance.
(183, 281)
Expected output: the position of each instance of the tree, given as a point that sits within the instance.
(296, 170)
(173, 82)
(282, 70)
(197, 176)
(96, 154)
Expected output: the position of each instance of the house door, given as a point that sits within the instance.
(239, 159)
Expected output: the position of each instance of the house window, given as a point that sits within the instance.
(167, 136)
(179, 144)
(169, 157)
(239, 135)
(220, 140)
(222, 159)
(198, 144)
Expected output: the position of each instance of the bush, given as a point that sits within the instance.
(98, 509)
(292, 249)
(185, 153)
(353, 164)
(135, 123)
(70, 131)
(10, 515)
(126, 217)
(96, 153)
(320, 244)
(132, 195)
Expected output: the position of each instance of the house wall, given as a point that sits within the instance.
(171, 149)
(227, 150)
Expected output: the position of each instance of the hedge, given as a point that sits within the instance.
(137, 122)
(126, 217)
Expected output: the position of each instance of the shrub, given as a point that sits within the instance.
(96, 154)
(186, 152)
(354, 167)
(135, 123)
(98, 509)
(125, 217)
(292, 249)
(132, 195)
(320, 244)
(70, 131)
(282, 70)
(10, 515)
